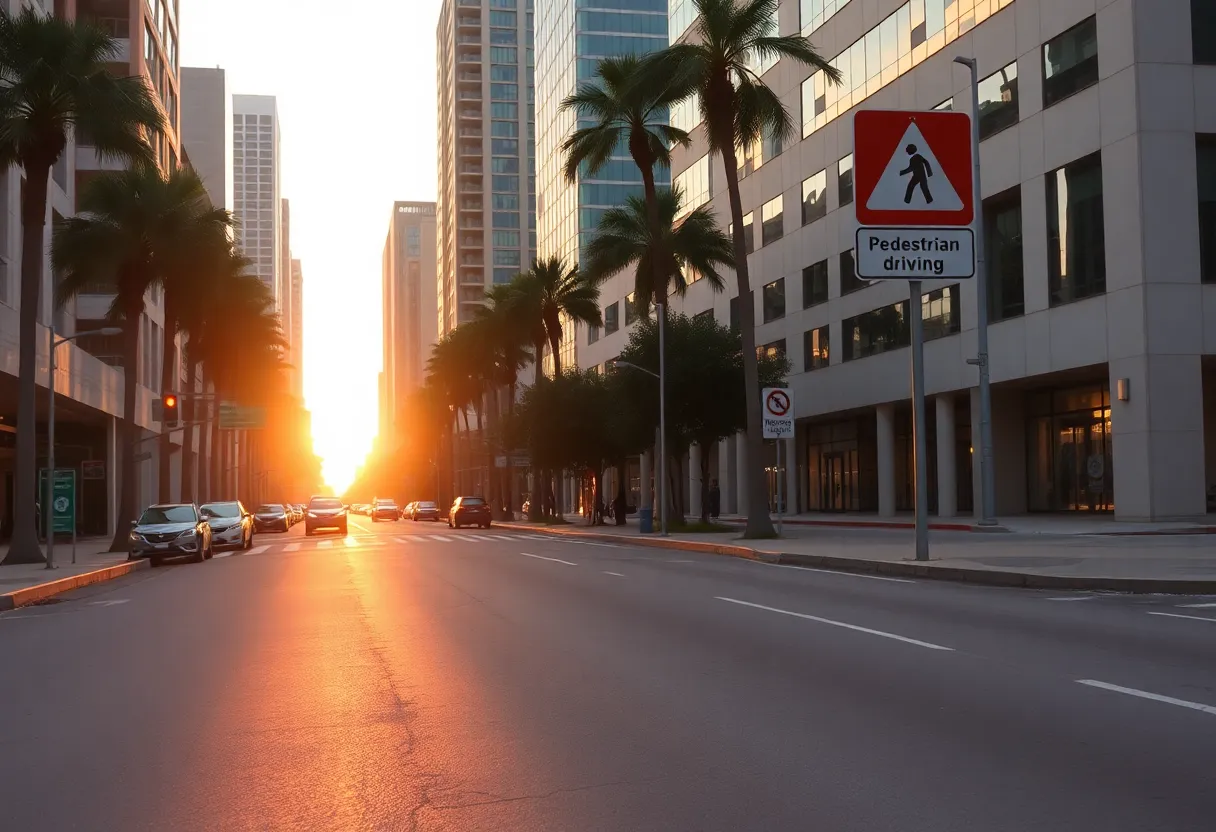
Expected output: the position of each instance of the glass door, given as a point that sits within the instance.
(1084, 480)
(838, 481)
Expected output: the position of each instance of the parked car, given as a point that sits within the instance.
(271, 517)
(325, 513)
(407, 510)
(170, 530)
(231, 524)
(469, 511)
(293, 513)
(383, 509)
(424, 510)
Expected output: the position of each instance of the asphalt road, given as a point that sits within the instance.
(409, 677)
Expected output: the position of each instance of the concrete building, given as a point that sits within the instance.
(408, 302)
(486, 209)
(569, 44)
(256, 185)
(1099, 202)
(297, 325)
(286, 315)
(207, 130)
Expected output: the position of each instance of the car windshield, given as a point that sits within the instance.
(156, 515)
(472, 501)
(384, 502)
(427, 505)
(221, 509)
(269, 508)
(325, 503)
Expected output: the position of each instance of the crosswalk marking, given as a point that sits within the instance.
(503, 537)
(441, 537)
(402, 539)
(324, 544)
(257, 550)
(480, 537)
(292, 547)
(1198, 606)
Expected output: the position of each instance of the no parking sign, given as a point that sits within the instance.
(778, 407)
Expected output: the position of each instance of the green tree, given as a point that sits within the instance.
(718, 65)
(54, 77)
(664, 252)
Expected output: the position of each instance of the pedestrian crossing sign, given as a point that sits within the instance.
(913, 168)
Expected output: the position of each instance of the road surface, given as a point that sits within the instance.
(412, 678)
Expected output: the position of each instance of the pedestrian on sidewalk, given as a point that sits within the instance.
(715, 499)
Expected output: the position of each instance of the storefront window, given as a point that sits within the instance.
(1070, 465)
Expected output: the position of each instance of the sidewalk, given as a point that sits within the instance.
(1168, 563)
(22, 584)
(1048, 524)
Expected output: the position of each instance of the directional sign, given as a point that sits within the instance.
(63, 499)
(778, 415)
(912, 168)
(236, 417)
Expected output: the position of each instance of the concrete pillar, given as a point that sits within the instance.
(644, 487)
(740, 488)
(112, 482)
(694, 480)
(885, 416)
(947, 484)
(789, 458)
(726, 474)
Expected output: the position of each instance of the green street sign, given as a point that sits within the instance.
(236, 417)
(63, 499)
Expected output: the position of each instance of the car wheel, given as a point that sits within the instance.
(344, 531)
(486, 526)
(308, 532)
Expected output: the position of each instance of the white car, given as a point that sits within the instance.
(385, 510)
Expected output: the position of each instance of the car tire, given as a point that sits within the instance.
(486, 526)
(308, 532)
(344, 531)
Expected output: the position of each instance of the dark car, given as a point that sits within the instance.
(469, 511)
(271, 517)
(170, 531)
(325, 513)
(424, 510)
(384, 510)
(231, 524)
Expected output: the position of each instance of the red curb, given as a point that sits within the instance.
(30, 594)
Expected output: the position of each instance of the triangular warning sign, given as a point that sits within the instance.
(913, 180)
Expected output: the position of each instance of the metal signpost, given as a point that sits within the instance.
(777, 404)
(915, 209)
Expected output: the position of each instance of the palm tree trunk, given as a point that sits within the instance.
(554, 343)
(168, 375)
(495, 484)
(24, 547)
(759, 524)
(705, 479)
(540, 493)
(187, 488)
(509, 470)
(128, 479)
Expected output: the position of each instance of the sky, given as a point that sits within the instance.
(356, 97)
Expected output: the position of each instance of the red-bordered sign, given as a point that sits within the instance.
(912, 168)
(777, 403)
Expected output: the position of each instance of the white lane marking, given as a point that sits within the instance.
(225, 554)
(1191, 617)
(1074, 598)
(479, 537)
(292, 547)
(615, 574)
(1143, 694)
(257, 550)
(542, 557)
(855, 627)
(109, 603)
(828, 572)
(1197, 606)
(593, 543)
(402, 539)
(503, 537)
(441, 538)
(325, 544)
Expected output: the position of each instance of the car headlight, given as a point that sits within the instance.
(188, 533)
(136, 537)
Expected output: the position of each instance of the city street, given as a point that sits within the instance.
(412, 677)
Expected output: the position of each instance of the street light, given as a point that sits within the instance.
(56, 341)
(662, 420)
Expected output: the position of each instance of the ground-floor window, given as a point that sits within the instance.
(1070, 465)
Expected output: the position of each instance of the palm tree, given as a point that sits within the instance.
(454, 366)
(127, 235)
(550, 293)
(624, 112)
(717, 65)
(692, 244)
(54, 77)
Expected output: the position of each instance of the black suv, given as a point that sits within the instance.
(469, 511)
(325, 513)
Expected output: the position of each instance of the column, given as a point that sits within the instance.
(789, 458)
(694, 480)
(644, 487)
(977, 481)
(740, 473)
(112, 483)
(947, 484)
(885, 416)
(726, 474)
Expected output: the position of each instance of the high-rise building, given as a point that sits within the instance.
(570, 42)
(286, 319)
(408, 296)
(486, 209)
(255, 178)
(207, 130)
(297, 325)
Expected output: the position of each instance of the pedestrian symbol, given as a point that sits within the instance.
(910, 181)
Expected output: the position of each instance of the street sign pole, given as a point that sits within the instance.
(779, 479)
(48, 509)
(660, 310)
(920, 460)
(987, 470)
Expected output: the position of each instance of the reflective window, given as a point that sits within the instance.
(749, 235)
(612, 320)
(1205, 157)
(773, 349)
(504, 129)
(505, 219)
(999, 100)
(773, 299)
(1076, 244)
(815, 348)
(503, 37)
(877, 331)
(815, 13)
(504, 73)
(814, 197)
(1203, 31)
(939, 312)
(762, 150)
(631, 311)
(844, 180)
(849, 281)
(504, 92)
(507, 19)
(506, 257)
(686, 114)
(772, 220)
(694, 184)
(1070, 61)
(504, 275)
(504, 147)
(815, 284)
(593, 333)
(1003, 251)
(504, 55)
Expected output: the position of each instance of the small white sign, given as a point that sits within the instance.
(915, 253)
(913, 179)
(777, 406)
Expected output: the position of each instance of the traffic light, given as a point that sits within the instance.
(165, 410)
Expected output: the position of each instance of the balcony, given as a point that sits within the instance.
(469, 56)
(469, 21)
(469, 95)
(470, 188)
(471, 242)
(474, 3)
(471, 205)
(474, 40)
(471, 170)
(470, 132)
(471, 149)
(473, 294)
(472, 261)
(471, 113)
(469, 77)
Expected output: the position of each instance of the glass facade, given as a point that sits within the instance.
(815, 284)
(1076, 240)
(571, 37)
(1205, 158)
(1070, 465)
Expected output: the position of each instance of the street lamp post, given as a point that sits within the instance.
(49, 513)
(662, 423)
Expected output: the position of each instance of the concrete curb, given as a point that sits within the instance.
(908, 569)
(38, 592)
(883, 524)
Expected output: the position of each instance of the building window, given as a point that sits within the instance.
(815, 284)
(1076, 245)
(1205, 157)
(504, 73)
(772, 220)
(503, 37)
(694, 185)
(999, 100)
(773, 349)
(612, 320)
(506, 165)
(1070, 61)
(508, 239)
(1203, 31)
(504, 129)
(844, 180)
(815, 13)
(505, 219)
(504, 147)
(1003, 249)
(814, 197)
(593, 333)
(849, 281)
(773, 299)
(506, 257)
(749, 234)
(815, 348)
(506, 19)
(735, 313)
(939, 312)
(504, 55)
(504, 92)
(631, 308)
(505, 184)
(877, 331)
